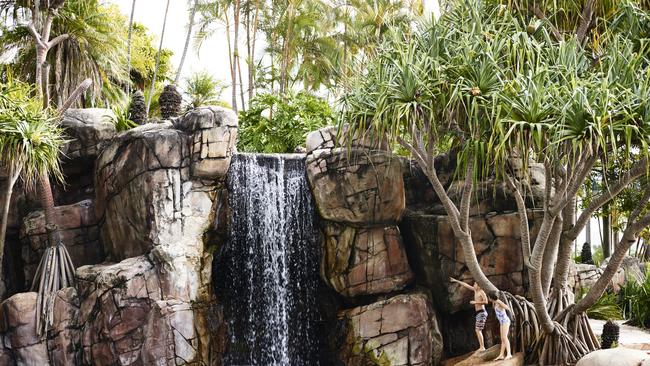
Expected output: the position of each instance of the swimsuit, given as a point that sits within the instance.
(481, 317)
(502, 316)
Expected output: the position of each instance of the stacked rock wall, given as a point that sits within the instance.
(359, 193)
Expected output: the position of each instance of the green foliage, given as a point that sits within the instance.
(482, 78)
(203, 89)
(29, 139)
(598, 256)
(143, 59)
(121, 120)
(607, 307)
(278, 124)
(635, 302)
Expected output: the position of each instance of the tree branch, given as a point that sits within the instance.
(465, 200)
(57, 40)
(523, 218)
(80, 89)
(635, 172)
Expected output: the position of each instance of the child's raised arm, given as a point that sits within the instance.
(461, 283)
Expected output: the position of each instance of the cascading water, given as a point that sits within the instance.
(269, 275)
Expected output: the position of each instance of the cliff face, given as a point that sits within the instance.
(143, 293)
(145, 211)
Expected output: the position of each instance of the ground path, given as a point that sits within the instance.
(629, 336)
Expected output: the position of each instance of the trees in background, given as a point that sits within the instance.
(202, 88)
(508, 88)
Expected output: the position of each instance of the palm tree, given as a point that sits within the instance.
(190, 26)
(155, 72)
(90, 46)
(29, 146)
(203, 89)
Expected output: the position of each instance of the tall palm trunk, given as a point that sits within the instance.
(155, 71)
(232, 64)
(190, 26)
(235, 47)
(286, 47)
(128, 47)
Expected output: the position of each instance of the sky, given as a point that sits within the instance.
(213, 56)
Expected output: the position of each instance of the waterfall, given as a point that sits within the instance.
(269, 275)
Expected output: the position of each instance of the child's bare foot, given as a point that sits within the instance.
(499, 358)
(508, 357)
(482, 349)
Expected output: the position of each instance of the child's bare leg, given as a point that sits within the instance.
(505, 342)
(479, 336)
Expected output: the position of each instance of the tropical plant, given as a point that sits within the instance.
(29, 144)
(635, 302)
(169, 102)
(607, 307)
(121, 119)
(499, 86)
(143, 61)
(203, 89)
(86, 42)
(279, 124)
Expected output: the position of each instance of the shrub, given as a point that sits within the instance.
(278, 124)
(635, 301)
(606, 308)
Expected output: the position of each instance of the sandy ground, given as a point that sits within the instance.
(629, 336)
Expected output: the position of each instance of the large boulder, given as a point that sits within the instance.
(22, 346)
(88, 128)
(356, 186)
(213, 140)
(435, 254)
(364, 261)
(402, 330)
(615, 356)
(133, 312)
(78, 230)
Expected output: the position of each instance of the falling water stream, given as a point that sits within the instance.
(270, 274)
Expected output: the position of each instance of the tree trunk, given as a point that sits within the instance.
(58, 76)
(235, 46)
(251, 66)
(286, 48)
(155, 71)
(190, 26)
(551, 255)
(5, 205)
(607, 237)
(233, 70)
(536, 290)
(128, 47)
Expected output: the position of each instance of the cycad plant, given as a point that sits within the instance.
(499, 87)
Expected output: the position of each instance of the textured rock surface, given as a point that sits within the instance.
(356, 186)
(435, 255)
(615, 356)
(214, 136)
(486, 358)
(359, 261)
(79, 232)
(88, 128)
(402, 330)
(150, 303)
(583, 276)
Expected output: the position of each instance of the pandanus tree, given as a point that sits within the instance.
(505, 93)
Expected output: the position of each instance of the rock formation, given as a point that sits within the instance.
(153, 198)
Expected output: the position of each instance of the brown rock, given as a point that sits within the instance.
(78, 230)
(360, 262)
(402, 330)
(356, 186)
(88, 128)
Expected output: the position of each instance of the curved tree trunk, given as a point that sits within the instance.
(155, 71)
(128, 47)
(536, 290)
(190, 26)
(5, 204)
(551, 255)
